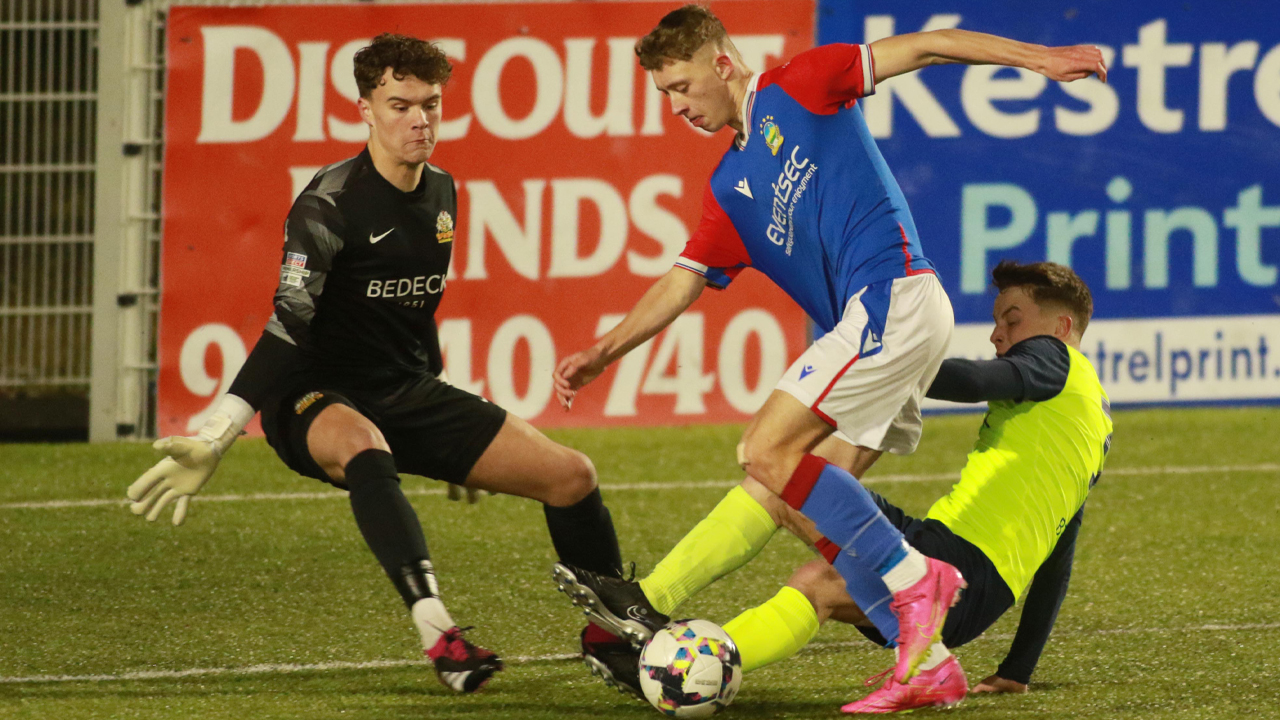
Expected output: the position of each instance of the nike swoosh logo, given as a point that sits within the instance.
(373, 239)
(933, 619)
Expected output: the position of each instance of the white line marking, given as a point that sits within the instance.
(672, 485)
(287, 668)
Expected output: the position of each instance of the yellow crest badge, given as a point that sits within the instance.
(772, 134)
(444, 227)
(306, 401)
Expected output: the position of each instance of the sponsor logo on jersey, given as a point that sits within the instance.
(444, 227)
(772, 134)
(306, 401)
(744, 188)
(373, 239)
(787, 190)
(406, 287)
(298, 260)
(805, 371)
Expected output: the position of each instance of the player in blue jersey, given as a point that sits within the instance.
(804, 196)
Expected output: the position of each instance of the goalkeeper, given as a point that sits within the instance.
(347, 372)
(1010, 522)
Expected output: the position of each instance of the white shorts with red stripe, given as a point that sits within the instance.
(867, 377)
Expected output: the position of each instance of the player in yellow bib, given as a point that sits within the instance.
(1010, 522)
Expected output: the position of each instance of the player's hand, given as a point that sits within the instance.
(575, 371)
(189, 465)
(997, 684)
(1076, 62)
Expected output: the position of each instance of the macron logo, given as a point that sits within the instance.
(744, 188)
(804, 371)
(871, 344)
(373, 239)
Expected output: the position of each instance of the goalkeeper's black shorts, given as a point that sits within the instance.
(433, 428)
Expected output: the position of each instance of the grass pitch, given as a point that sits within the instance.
(270, 606)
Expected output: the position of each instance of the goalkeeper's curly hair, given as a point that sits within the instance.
(406, 56)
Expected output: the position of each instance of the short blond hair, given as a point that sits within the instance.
(680, 34)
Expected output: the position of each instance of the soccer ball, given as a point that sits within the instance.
(690, 669)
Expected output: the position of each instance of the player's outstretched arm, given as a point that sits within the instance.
(997, 684)
(903, 53)
(189, 462)
(662, 303)
(1039, 613)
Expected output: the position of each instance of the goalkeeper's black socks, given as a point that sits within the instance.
(391, 529)
(389, 525)
(583, 535)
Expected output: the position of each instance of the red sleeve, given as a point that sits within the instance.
(715, 251)
(827, 78)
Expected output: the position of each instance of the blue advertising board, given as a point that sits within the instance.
(1161, 188)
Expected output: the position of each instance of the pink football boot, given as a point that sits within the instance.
(921, 609)
(940, 687)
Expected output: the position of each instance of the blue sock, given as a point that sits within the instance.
(870, 594)
(845, 513)
(869, 544)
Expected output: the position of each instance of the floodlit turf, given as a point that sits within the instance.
(1173, 609)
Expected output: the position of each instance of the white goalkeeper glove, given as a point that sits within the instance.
(190, 462)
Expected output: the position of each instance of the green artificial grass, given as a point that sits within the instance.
(1172, 613)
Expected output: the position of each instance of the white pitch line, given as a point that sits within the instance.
(671, 485)
(289, 668)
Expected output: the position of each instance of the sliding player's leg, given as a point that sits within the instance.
(779, 628)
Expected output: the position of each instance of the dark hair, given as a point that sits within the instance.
(1048, 283)
(405, 56)
(679, 34)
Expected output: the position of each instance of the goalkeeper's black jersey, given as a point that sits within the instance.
(362, 273)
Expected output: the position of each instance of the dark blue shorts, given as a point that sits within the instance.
(981, 604)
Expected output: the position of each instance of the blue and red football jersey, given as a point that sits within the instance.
(804, 195)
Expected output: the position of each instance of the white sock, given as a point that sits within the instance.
(907, 572)
(938, 654)
(431, 619)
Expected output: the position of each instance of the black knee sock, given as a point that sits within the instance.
(388, 523)
(583, 535)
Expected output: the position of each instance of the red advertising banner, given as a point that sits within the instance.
(577, 189)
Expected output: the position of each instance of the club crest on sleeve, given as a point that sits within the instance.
(444, 227)
(772, 134)
(306, 401)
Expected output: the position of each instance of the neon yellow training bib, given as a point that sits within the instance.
(1029, 473)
